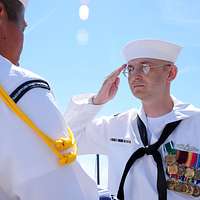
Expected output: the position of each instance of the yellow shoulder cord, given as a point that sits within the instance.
(57, 146)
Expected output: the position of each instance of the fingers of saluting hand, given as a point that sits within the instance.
(117, 72)
(109, 87)
(112, 77)
(114, 87)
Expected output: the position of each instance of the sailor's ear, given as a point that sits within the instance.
(3, 13)
(172, 72)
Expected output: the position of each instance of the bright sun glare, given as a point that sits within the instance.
(84, 12)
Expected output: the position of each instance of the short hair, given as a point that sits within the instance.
(13, 9)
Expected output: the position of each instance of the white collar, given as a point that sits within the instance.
(180, 111)
(3, 59)
(5, 66)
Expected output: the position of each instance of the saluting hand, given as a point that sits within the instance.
(109, 88)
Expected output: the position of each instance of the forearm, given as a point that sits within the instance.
(90, 133)
(80, 111)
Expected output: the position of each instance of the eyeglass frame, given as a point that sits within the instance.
(126, 72)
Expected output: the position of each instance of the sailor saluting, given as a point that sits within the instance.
(34, 151)
(145, 148)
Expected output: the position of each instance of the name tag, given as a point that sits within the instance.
(120, 140)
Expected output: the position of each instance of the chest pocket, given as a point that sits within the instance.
(183, 170)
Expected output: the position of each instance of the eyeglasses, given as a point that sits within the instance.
(143, 68)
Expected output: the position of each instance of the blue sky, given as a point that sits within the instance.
(76, 55)
(53, 48)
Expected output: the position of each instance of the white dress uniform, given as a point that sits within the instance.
(28, 168)
(118, 137)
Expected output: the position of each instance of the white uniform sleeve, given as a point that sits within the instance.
(39, 104)
(91, 134)
(28, 168)
(69, 182)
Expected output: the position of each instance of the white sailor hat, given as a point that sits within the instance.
(156, 49)
(24, 2)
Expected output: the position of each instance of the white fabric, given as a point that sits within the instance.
(156, 124)
(156, 49)
(28, 168)
(94, 137)
(24, 2)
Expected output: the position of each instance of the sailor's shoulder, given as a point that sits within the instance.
(22, 73)
(18, 76)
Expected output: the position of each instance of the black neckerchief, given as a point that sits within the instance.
(149, 150)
